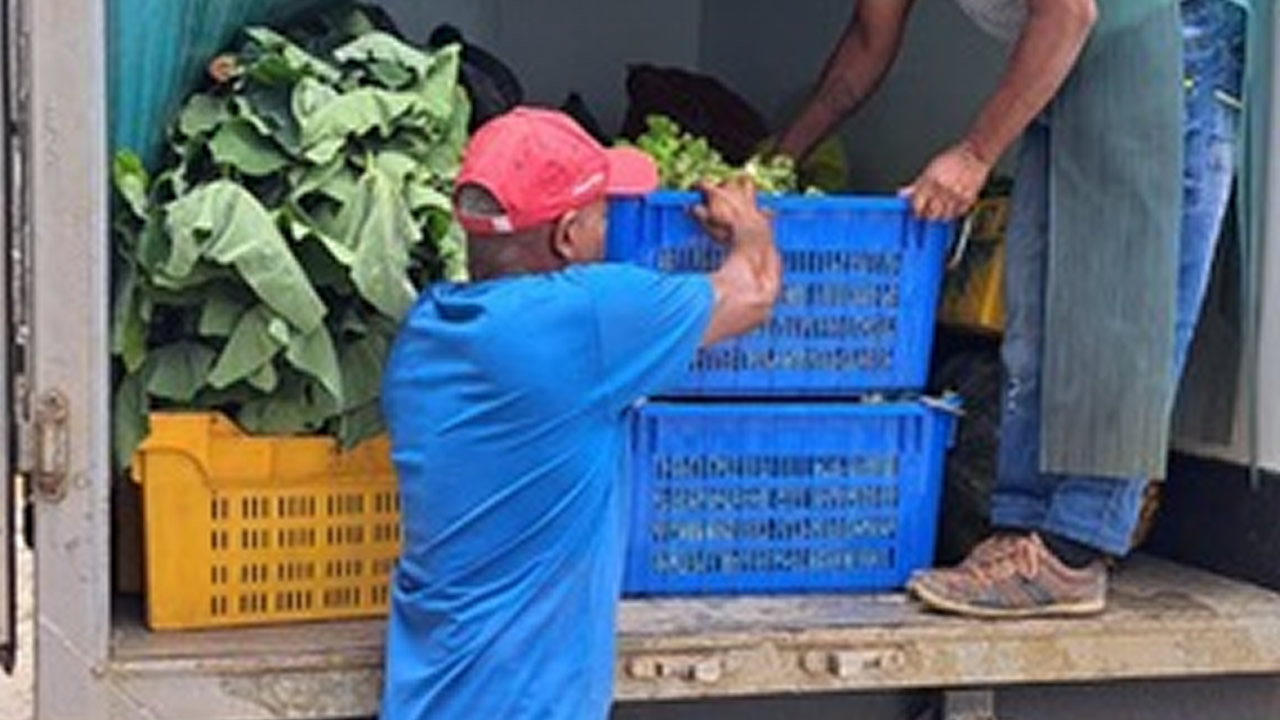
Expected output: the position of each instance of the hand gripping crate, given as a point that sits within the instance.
(783, 497)
(247, 530)
(856, 315)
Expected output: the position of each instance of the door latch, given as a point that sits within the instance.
(53, 447)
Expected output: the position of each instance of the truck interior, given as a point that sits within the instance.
(1199, 602)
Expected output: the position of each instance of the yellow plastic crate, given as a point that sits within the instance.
(245, 530)
(973, 293)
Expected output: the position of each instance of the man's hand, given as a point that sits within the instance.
(950, 185)
(730, 213)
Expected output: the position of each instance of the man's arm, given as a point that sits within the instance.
(1047, 50)
(650, 324)
(747, 284)
(853, 72)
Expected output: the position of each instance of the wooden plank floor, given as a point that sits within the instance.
(1164, 621)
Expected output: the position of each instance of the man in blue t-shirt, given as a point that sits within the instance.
(506, 401)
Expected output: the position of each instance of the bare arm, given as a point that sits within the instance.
(1047, 50)
(747, 284)
(1050, 44)
(853, 72)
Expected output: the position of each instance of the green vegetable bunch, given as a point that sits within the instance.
(304, 200)
(684, 160)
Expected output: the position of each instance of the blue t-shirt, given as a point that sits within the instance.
(506, 402)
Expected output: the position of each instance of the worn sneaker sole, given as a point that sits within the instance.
(939, 602)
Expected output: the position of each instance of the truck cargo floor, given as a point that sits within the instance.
(1164, 621)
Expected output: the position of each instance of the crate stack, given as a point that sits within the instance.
(802, 457)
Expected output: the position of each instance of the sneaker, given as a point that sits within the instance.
(1019, 578)
(985, 551)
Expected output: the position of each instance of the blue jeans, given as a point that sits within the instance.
(1097, 511)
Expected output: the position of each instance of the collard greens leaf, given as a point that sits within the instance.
(378, 224)
(360, 424)
(288, 60)
(269, 110)
(223, 222)
(397, 166)
(128, 317)
(361, 362)
(379, 48)
(443, 156)
(251, 346)
(266, 379)
(391, 75)
(128, 418)
(439, 89)
(316, 355)
(297, 406)
(423, 197)
(354, 113)
(178, 371)
(132, 182)
(220, 315)
(202, 115)
(239, 145)
(452, 249)
(333, 179)
(309, 97)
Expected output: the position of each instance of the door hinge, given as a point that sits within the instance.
(52, 447)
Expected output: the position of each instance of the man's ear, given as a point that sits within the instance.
(564, 237)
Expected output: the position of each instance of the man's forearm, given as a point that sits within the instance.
(1051, 41)
(852, 74)
(746, 286)
(840, 93)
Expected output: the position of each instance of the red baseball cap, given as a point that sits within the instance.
(540, 164)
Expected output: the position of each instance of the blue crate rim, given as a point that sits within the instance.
(950, 405)
(886, 203)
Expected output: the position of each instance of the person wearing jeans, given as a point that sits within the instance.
(1083, 517)
(1102, 281)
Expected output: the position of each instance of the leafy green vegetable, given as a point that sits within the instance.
(239, 145)
(202, 114)
(379, 225)
(316, 355)
(354, 113)
(132, 181)
(222, 312)
(180, 370)
(128, 417)
(251, 346)
(684, 161)
(128, 322)
(305, 199)
(224, 223)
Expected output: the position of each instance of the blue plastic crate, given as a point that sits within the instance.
(783, 497)
(861, 289)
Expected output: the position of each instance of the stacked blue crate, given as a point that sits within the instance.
(774, 465)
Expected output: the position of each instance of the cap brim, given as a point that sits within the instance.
(631, 172)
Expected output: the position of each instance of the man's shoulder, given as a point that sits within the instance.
(591, 274)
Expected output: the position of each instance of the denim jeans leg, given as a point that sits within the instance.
(1210, 173)
(1096, 511)
(1020, 498)
(1213, 42)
